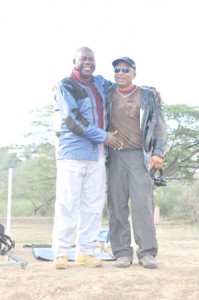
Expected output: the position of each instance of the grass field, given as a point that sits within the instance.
(39, 230)
(27, 230)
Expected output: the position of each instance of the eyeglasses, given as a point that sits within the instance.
(124, 70)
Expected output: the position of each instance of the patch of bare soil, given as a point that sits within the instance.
(177, 276)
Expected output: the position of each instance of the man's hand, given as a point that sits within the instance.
(112, 141)
(155, 162)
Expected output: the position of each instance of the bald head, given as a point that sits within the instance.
(83, 51)
(84, 62)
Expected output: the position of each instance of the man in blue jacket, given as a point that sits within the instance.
(80, 187)
(136, 115)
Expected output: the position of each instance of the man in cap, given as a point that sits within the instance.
(136, 115)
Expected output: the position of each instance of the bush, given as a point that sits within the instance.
(178, 201)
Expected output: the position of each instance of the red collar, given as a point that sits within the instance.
(133, 88)
(76, 75)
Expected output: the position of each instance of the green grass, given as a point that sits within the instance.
(30, 230)
(38, 230)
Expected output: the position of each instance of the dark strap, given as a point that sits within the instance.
(150, 97)
(150, 132)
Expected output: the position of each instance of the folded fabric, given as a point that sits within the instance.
(44, 252)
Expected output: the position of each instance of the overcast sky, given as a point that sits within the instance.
(38, 39)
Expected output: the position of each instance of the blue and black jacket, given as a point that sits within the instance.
(79, 134)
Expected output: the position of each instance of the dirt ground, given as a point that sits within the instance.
(177, 276)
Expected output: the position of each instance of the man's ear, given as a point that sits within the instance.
(134, 75)
(54, 87)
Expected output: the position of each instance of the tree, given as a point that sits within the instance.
(182, 155)
(34, 178)
(34, 181)
(42, 125)
(6, 161)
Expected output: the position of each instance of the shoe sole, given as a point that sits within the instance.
(148, 266)
(84, 264)
(124, 266)
(60, 267)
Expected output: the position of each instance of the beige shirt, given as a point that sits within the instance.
(125, 118)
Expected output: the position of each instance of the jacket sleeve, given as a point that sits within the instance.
(74, 120)
(160, 133)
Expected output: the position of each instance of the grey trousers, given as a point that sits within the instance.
(129, 179)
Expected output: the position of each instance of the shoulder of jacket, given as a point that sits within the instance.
(99, 77)
(148, 94)
(147, 90)
(68, 81)
(148, 98)
(74, 88)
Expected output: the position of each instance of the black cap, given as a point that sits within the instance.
(125, 59)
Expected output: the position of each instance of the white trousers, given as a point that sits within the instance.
(80, 195)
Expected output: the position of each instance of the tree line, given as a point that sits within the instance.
(34, 177)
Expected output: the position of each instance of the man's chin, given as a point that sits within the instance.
(121, 86)
(86, 75)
